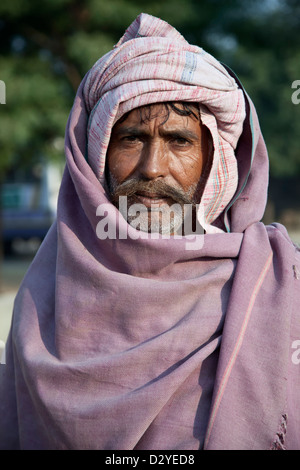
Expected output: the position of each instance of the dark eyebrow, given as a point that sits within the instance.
(179, 134)
(173, 133)
(129, 130)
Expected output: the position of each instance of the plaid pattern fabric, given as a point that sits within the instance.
(153, 63)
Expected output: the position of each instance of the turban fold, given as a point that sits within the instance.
(153, 63)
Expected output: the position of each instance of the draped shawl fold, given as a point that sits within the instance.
(170, 343)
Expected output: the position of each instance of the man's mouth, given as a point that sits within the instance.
(151, 194)
(152, 199)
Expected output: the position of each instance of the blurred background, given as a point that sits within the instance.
(47, 47)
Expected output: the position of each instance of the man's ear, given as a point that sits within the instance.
(208, 149)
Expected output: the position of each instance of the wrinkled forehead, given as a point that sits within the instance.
(146, 113)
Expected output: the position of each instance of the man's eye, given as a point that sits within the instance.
(130, 138)
(181, 141)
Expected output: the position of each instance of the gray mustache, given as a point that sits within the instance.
(161, 189)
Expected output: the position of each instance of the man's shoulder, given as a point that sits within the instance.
(291, 240)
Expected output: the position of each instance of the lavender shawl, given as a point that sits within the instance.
(140, 343)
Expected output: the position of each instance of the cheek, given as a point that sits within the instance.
(119, 164)
(187, 171)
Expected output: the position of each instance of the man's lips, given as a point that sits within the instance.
(152, 199)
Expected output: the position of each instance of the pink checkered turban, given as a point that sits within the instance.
(153, 63)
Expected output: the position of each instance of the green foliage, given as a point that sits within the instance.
(266, 60)
(46, 49)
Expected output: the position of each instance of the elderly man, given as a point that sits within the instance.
(156, 161)
(142, 325)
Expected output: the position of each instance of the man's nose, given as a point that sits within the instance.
(154, 161)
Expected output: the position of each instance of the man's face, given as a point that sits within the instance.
(157, 161)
